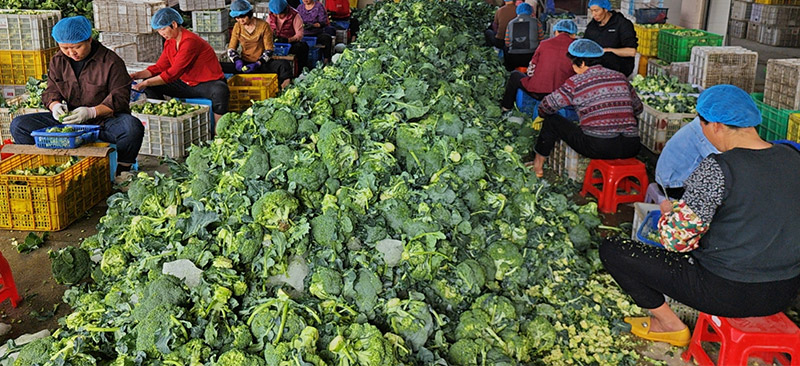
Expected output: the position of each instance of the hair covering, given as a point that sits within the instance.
(240, 7)
(524, 8)
(164, 17)
(566, 25)
(277, 6)
(585, 48)
(605, 4)
(72, 30)
(729, 105)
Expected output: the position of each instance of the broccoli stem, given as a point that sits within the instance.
(284, 315)
(94, 329)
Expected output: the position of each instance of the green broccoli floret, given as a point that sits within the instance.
(580, 237)
(275, 207)
(466, 352)
(159, 329)
(364, 344)
(324, 229)
(281, 155)
(326, 283)
(114, 261)
(506, 257)
(70, 265)
(165, 289)
(282, 124)
(243, 246)
(192, 353)
(310, 176)
(337, 149)
(411, 319)
(257, 163)
(36, 352)
(471, 167)
(237, 357)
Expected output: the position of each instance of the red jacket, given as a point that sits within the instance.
(338, 8)
(193, 63)
(552, 67)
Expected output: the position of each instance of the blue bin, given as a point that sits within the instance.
(341, 24)
(314, 56)
(282, 49)
(526, 104)
(311, 41)
(649, 224)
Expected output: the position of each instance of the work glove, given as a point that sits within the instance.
(250, 67)
(232, 54)
(239, 65)
(58, 110)
(80, 115)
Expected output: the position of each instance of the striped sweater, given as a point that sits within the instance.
(606, 103)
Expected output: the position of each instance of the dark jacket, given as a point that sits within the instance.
(617, 33)
(104, 80)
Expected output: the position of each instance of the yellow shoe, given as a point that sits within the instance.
(640, 326)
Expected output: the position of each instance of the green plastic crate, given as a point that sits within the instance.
(676, 48)
(774, 121)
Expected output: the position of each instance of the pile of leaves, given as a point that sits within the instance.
(376, 213)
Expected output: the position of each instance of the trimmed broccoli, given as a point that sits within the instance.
(114, 261)
(192, 353)
(281, 155)
(411, 319)
(37, 352)
(324, 229)
(326, 283)
(506, 257)
(282, 124)
(257, 163)
(362, 344)
(310, 176)
(70, 265)
(237, 357)
(275, 207)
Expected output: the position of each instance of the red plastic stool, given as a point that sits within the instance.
(615, 175)
(523, 70)
(765, 337)
(9, 289)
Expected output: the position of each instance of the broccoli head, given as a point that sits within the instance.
(326, 283)
(114, 261)
(237, 357)
(282, 124)
(70, 265)
(36, 352)
(325, 230)
(256, 165)
(275, 207)
(411, 319)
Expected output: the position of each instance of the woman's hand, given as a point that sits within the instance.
(139, 86)
(665, 206)
(317, 25)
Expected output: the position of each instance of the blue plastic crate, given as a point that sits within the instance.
(526, 104)
(65, 140)
(314, 56)
(341, 24)
(282, 49)
(311, 41)
(649, 224)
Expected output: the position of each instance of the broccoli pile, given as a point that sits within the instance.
(376, 213)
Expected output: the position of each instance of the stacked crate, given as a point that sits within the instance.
(711, 66)
(566, 161)
(647, 34)
(775, 25)
(124, 27)
(675, 45)
(680, 70)
(629, 7)
(26, 47)
(740, 15)
(211, 21)
(774, 121)
(781, 99)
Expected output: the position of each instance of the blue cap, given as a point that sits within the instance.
(524, 8)
(605, 4)
(729, 105)
(277, 6)
(566, 25)
(72, 30)
(240, 7)
(164, 17)
(585, 48)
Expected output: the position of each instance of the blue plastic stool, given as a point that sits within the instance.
(112, 161)
(341, 24)
(530, 106)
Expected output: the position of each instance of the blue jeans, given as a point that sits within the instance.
(122, 129)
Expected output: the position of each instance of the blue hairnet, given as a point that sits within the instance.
(72, 30)
(566, 25)
(164, 17)
(524, 8)
(277, 6)
(729, 105)
(585, 48)
(605, 4)
(240, 7)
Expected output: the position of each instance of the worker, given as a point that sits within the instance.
(606, 105)
(497, 30)
(615, 33)
(731, 241)
(86, 84)
(548, 69)
(522, 37)
(188, 67)
(287, 26)
(681, 155)
(317, 24)
(340, 16)
(255, 37)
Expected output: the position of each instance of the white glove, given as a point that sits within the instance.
(232, 54)
(58, 110)
(80, 115)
